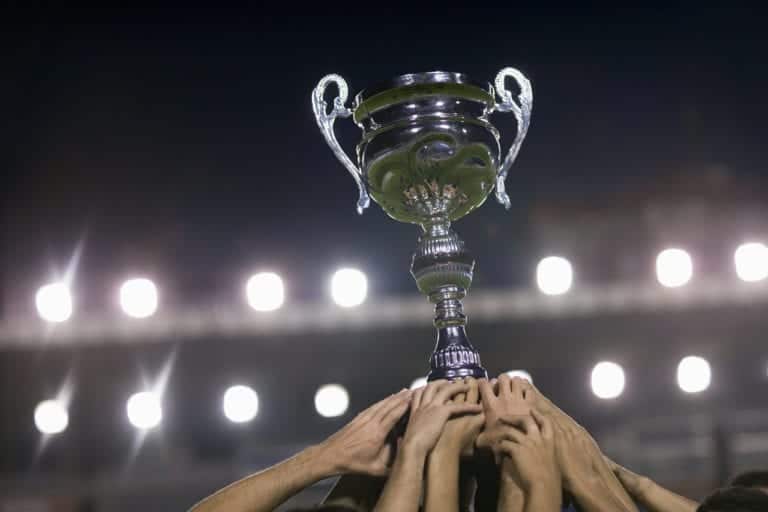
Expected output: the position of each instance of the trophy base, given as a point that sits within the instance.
(454, 356)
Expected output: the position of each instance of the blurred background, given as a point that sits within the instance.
(188, 295)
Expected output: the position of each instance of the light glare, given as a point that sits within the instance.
(607, 380)
(674, 267)
(751, 262)
(331, 400)
(241, 404)
(349, 287)
(554, 275)
(419, 383)
(144, 410)
(51, 417)
(54, 302)
(522, 374)
(265, 291)
(138, 297)
(694, 374)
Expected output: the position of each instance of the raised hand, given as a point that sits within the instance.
(362, 445)
(505, 402)
(431, 407)
(530, 445)
(459, 434)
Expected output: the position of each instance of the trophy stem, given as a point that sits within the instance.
(443, 272)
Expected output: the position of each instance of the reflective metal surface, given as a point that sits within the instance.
(429, 155)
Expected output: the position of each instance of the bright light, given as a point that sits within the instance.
(554, 275)
(265, 291)
(419, 383)
(693, 374)
(674, 267)
(138, 297)
(349, 287)
(331, 400)
(520, 374)
(751, 262)
(607, 380)
(54, 302)
(144, 410)
(51, 417)
(241, 404)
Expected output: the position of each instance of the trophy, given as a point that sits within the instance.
(429, 156)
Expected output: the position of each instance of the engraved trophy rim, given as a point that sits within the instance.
(423, 78)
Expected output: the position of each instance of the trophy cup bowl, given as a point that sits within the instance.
(429, 155)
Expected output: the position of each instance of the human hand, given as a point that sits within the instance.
(530, 445)
(505, 399)
(505, 402)
(577, 453)
(431, 407)
(459, 434)
(362, 445)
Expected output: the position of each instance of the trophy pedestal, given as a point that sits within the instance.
(443, 272)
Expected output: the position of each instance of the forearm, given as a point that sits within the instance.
(658, 499)
(613, 484)
(442, 492)
(356, 492)
(543, 498)
(403, 488)
(511, 497)
(264, 491)
(593, 495)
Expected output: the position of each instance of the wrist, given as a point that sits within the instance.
(322, 462)
(412, 450)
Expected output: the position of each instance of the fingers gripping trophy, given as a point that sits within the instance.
(429, 156)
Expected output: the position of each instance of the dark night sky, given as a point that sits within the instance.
(180, 143)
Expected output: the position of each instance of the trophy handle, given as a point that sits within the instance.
(325, 122)
(522, 113)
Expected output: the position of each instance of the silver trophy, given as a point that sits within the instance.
(429, 156)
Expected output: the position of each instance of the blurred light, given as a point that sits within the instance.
(751, 262)
(331, 400)
(265, 291)
(144, 410)
(607, 380)
(54, 302)
(349, 287)
(693, 374)
(51, 417)
(521, 374)
(138, 297)
(554, 275)
(419, 383)
(241, 404)
(674, 267)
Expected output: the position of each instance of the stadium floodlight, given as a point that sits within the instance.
(694, 374)
(674, 267)
(554, 275)
(240, 404)
(349, 287)
(54, 302)
(51, 417)
(138, 297)
(607, 380)
(522, 374)
(419, 383)
(751, 261)
(331, 400)
(144, 410)
(265, 291)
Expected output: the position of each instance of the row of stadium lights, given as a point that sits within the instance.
(240, 403)
(348, 287)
